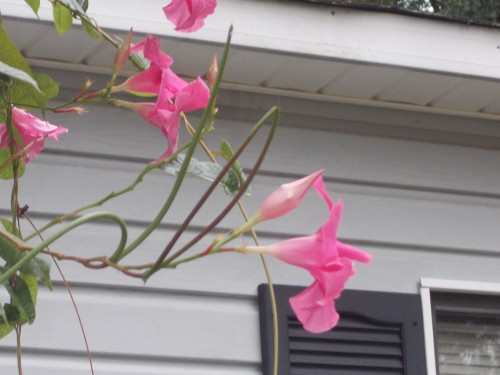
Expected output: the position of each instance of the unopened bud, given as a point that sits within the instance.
(79, 110)
(213, 72)
(122, 53)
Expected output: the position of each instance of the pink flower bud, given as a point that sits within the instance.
(122, 53)
(213, 72)
(286, 198)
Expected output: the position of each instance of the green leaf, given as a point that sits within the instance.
(32, 284)
(13, 314)
(40, 267)
(207, 171)
(18, 74)
(22, 298)
(34, 4)
(7, 224)
(23, 94)
(9, 250)
(9, 54)
(7, 173)
(85, 5)
(3, 315)
(239, 178)
(90, 30)
(5, 326)
(63, 19)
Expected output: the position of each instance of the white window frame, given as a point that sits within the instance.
(439, 285)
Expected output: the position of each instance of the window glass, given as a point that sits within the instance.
(467, 331)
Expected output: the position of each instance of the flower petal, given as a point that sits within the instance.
(189, 15)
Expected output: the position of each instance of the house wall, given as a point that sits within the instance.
(416, 194)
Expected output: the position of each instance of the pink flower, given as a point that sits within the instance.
(165, 114)
(286, 198)
(189, 15)
(315, 306)
(328, 260)
(31, 129)
(150, 80)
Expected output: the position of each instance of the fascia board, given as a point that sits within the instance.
(291, 28)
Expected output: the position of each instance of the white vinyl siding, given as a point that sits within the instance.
(421, 208)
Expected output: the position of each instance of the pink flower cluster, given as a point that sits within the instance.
(328, 260)
(174, 95)
(32, 132)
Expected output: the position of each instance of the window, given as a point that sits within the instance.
(379, 333)
(467, 332)
(462, 327)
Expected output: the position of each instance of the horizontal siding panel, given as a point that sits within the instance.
(142, 322)
(361, 158)
(44, 362)
(371, 214)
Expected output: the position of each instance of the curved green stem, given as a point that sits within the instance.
(76, 223)
(189, 154)
(225, 211)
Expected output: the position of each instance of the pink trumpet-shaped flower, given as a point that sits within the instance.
(150, 80)
(30, 129)
(328, 260)
(165, 114)
(315, 307)
(189, 15)
(286, 198)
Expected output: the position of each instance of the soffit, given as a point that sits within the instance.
(297, 50)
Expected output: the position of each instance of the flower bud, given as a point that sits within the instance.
(122, 53)
(213, 72)
(286, 198)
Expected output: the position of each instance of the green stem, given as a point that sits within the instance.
(101, 32)
(262, 257)
(19, 349)
(76, 223)
(243, 188)
(189, 154)
(15, 168)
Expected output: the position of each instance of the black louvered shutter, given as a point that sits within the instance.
(378, 334)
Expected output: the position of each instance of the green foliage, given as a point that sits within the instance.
(18, 74)
(34, 4)
(29, 89)
(63, 18)
(23, 286)
(23, 297)
(11, 254)
(40, 268)
(7, 173)
(7, 224)
(24, 95)
(90, 30)
(5, 327)
(207, 171)
(236, 175)
(10, 55)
